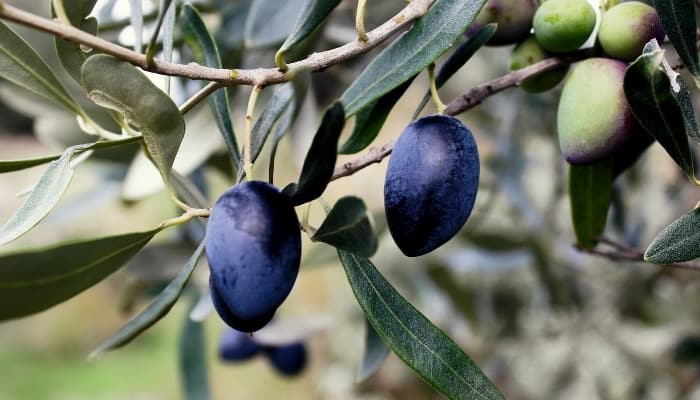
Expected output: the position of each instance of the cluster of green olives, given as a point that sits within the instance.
(594, 120)
(287, 359)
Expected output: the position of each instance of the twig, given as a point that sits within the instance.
(256, 77)
(371, 156)
(199, 96)
(623, 252)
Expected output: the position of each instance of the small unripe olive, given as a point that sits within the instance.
(514, 19)
(564, 25)
(626, 27)
(530, 52)
(593, 119)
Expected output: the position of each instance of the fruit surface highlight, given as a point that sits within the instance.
(253, 246)
(530, 52)
(431, 183)
(514, 19)
(563, 25)
(235, 346)
(627, 27)
(593, 118)
(288, 360)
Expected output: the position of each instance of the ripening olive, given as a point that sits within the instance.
(593, 118)
(253, 245)
(235, 346)
(564, 25)
(530, 52)
(514, 19)
(288, 359)
(626, 27)
(431, 183)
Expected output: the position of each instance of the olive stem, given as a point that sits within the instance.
(623, 252)
(197, 98)
(151, 48)
(439, 105)
(247, 151)
(186, 217)
(360, 20)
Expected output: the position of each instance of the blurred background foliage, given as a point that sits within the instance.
(543, 320)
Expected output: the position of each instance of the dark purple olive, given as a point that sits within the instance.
(431, 183)
(288, 360)
(253, 246)
(235, 346)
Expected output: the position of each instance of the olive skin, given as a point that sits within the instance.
(563, 25)
(288, 360)
(594, 120)
(530, 52)
(431, 183)
(514, 19)
(627, 27)
(235, 346)
(253, 245)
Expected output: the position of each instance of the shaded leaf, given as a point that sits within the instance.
(136, 17)
(320, 160)
(282, 128)
(655, 95)
(590, 192)
(369, 120)
(270, 22)
(312, 15)
(36, 279)
(678, 20)
(21, 65)
(347, 227)
(431, 36)
(74, 12)
(376, 352)
(457, 59)
(678, 242)
(127, 90)
(206, 52)
(273, 111)
(153, 313)
(420, 344)
(192, 357)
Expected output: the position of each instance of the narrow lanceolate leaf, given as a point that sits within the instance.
(376, 352)
(370, 120)
(312, 15)
(36, 279)
(206, 52)
(192, 357)
(590, 192)
(659, 100)
(320, 160)
(273, 111)
(429, 38)
(677, 242)
(347, 227)
(270, 22)
(678, 20)
(457, 59)
(74, 12)
(420, 344)
(21, 65)
(153, 313)
(127, 90)
(285, 122)
(136, 17)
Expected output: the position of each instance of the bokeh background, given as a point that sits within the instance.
(542, 319)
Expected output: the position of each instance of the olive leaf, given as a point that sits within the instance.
(270, 22)
(74, 12)
(347, 227)
(590, 192)
(192, 358)
(376, 352)
(275, 108)
(678, 242)
(127, 90)
(678, 20)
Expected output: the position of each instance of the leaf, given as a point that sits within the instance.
(169, 20)
(282, 128)
(370, 119)
(270, 22)
(659, 101)
(590, 192)
(136, 17)
(376, 352)
(464, 53)
(678, 20)
(347, 227)
(677, 242)
(431, 36)
(206, 52)
(21, 65)
(74, 12)
(127, 90)
(320, 160)
(163, 7)
(36, 279)
(420, 344)
(192, 357)
(274, 110)
(313, 14)
(153, 313)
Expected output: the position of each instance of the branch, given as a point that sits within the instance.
(623, 252)
(256, 77)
